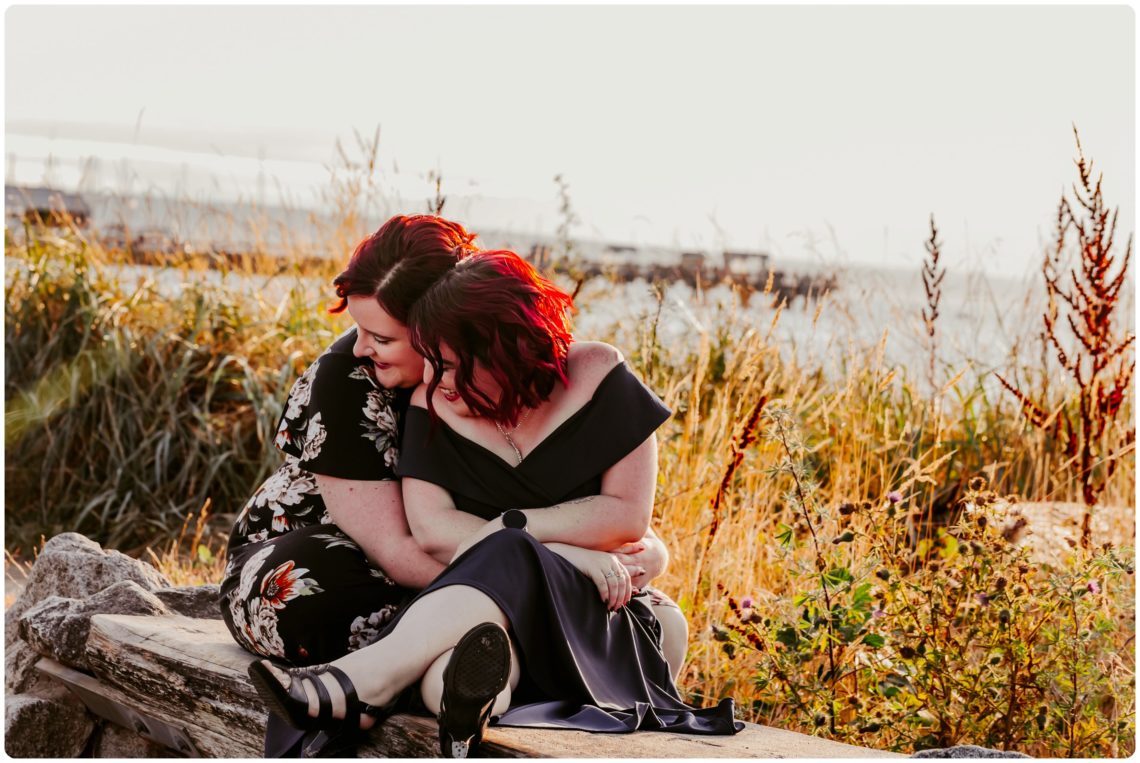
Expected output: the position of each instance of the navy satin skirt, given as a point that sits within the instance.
(583, 667)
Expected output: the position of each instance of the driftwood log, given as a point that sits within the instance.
(184, 683)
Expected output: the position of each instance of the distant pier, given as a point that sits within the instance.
(747, 271)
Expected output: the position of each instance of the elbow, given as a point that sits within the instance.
(636, 522)
(433, 544)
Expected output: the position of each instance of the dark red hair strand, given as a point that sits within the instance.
(398, 262)
(493, 308)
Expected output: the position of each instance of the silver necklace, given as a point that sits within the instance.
(507, 435)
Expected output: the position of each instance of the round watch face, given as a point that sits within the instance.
(514, 519)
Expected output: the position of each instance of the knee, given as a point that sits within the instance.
(674, 636)
(508, 540)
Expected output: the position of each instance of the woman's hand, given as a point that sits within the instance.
(604, 569)
(645, 559)
(632, 556)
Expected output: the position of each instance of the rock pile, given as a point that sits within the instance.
(72, 580)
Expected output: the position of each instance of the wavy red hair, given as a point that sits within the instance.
(401, 260)
(493, 308)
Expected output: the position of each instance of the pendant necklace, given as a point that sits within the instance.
(507, 435)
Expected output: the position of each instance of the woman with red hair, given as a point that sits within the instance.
(523, 451)
(324, 539)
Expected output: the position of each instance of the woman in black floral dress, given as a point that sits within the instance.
(321, 557)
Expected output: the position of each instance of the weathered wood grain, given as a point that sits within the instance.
(191, 674)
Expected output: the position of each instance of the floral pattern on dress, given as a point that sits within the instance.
(361, 373)
(658, 598)
(284, 583)
(334, 540)
(262, 632)
(365, 631)
(249, 571)
(380, 426)
(337, 421)
(313, 439)
(376, 572)
(287, 495)
(254, 617)
(302, 392)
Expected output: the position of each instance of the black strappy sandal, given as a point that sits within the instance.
(476, 673)
(292, 704)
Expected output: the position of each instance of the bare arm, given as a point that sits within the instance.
(599, 522)
(618, 515)
(437, 525)
(372, 514)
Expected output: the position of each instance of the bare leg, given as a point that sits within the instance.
(431, 687)
(430, 626)
(674, 636)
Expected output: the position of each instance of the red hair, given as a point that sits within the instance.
(493, 307)
(398, 262)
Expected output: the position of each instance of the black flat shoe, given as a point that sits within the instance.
(476, 673)
(292, 704)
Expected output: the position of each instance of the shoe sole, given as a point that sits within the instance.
(268, 687)
(475, 675)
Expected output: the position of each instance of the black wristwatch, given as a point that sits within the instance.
(514, 519)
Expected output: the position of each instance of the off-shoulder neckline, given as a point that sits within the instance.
(612, 373)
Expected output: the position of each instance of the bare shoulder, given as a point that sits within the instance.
(589, 362)
(419, 396)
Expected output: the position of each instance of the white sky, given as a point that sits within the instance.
(781, 123)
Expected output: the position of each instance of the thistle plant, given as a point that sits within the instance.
(834, 597)
(959, 638)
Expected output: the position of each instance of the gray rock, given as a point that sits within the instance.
(58, 627)
(112, 741)
(35, 727)
(19, 660)
(199, 601)
(74, 567)
(968, 751)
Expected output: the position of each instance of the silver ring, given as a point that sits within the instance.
(610, 574)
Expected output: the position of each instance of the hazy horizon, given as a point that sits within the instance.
(807, 132)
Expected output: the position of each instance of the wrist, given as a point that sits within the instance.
(514, 519)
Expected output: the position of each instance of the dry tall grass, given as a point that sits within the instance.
(138, 405)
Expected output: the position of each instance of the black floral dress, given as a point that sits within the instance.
(296, 587)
